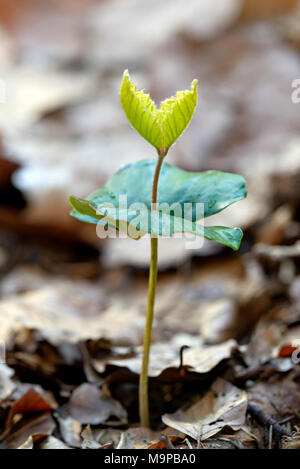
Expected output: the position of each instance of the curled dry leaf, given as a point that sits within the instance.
(274, 339)
(89, 441)
(53, 443)
(22, 388)
(165, 442)
(277, 398)
(223, 406)
(88, 405)
(29, 403)
(100, 438)
(28, 444)
(70, 430)
(201, 359)
(72, 312)
(36, 428)
(290, 338)
(69, 313)
(108, 436)
(138, 438)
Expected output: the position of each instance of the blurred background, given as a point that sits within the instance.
(63, 132)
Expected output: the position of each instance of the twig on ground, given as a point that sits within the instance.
(273, 428)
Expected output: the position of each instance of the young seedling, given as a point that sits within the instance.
(138, 183)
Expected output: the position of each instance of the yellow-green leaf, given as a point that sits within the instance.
(160, 127)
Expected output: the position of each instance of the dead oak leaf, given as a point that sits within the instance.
(35, 429)
(138, 438)
(70, 312)
(28, 444)
(89, 441)
(53, 443)
(201, 359)
(30, 402)
(88, 405)
(70, 430)
(164, 441)
(223, 406)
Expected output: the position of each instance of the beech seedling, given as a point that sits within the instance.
(155, 198)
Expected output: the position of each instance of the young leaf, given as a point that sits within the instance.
(160, 127)
(213, 190)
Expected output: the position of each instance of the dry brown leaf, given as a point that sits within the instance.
(223, 406)
(280, 397)
(53, 443)
(72, 312)
(108, 436)
(89, 441)
(275, 331)
(215, 299)
(100, 438)
(28, 444)
(22, 388)
(88, 405)
(69, 313)
(30, 402)
(290, 337)
(37, 428)
(201, 359)
(138, 438)
(70, 430)
(164, 440)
